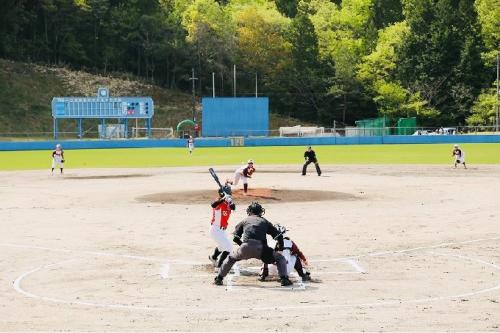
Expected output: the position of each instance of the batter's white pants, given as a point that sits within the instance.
(220, 237)
(238, 176)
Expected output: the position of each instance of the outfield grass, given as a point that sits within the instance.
(486, 153)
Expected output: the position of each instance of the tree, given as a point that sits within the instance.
(484, 109)
(378, 74)
(489, 17)
(345, 33)
(440, 58)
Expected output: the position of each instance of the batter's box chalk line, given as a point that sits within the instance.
(18, 283)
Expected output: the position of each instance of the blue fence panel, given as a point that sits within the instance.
(249, 142)
(235, 116)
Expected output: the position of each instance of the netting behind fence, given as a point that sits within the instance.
(371, 127)
(406, 126)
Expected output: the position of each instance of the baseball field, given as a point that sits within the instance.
(486, 153)
(396, 238)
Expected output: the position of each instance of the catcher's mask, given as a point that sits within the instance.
(225, 189)
(255, 209)
(281, 228)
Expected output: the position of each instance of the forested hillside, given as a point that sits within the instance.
(317, 60)
(26, 92)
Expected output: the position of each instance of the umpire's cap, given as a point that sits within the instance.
(255, 209)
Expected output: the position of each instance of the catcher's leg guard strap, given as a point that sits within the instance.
(223, 257)
(216, 253)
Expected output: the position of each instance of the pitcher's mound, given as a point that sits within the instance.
(262, 195)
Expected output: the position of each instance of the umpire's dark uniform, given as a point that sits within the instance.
(310, 157)
(250, 234)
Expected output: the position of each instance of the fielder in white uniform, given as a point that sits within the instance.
(244, 173)
(459, 155)
(58, 158)
(190, 144)
(221, 211)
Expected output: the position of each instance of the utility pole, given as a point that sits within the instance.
(234, 80)
(213, 85)
(498, 106)
(192, 78)
(256, 92)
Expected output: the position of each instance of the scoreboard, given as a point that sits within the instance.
(102, 107)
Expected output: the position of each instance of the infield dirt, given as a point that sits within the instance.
(391, 248)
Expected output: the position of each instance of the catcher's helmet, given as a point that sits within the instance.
(255, 209)
(281, 228)
(225, 189)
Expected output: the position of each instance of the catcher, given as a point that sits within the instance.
(221, 211)
(251, 235)
(294, 257)
(459, 155)
(58, 158)
(244, 173)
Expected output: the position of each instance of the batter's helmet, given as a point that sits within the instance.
(225, 189)
(255, 209)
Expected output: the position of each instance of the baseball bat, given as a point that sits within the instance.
(214, 175)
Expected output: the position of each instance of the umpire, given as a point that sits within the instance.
(310, 157)
(250, 234)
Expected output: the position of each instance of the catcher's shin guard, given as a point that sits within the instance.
(245, 188)
(216, 253)
(264, 272)
(223, 257)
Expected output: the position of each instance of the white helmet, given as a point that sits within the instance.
(455, 146)
(250, 162)
(58, 146)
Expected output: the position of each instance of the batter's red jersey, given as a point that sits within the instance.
(220, 215)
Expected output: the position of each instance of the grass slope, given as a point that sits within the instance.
(163, 157)
(26, 92)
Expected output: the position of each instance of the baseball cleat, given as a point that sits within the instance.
(212, 260)
(306, 277)
(218, 281)
(285, 281)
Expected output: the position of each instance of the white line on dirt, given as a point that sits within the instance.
(18, 283)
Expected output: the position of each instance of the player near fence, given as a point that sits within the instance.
(244, 173)
(459, 156)
(58, 158)
(294, 257)
(310, 157)
(190, 144)
(221, 211)
(251, 235)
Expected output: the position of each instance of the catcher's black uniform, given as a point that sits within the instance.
(310, 157)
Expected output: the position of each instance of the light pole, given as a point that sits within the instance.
(497, 106)
(192, 78)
